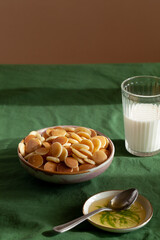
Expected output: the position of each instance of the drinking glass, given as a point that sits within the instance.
(141, 111)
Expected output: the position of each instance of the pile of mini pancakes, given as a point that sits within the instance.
(65, 149)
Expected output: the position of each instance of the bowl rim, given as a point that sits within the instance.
(118, 229)
(109, 160)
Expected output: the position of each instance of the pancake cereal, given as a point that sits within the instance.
(65, 149)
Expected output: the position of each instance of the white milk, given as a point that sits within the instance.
(142, 128)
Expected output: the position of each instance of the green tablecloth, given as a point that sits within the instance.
(36, 96)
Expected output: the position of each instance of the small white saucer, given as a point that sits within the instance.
(142, 200)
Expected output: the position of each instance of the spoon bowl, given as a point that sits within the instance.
(121, 201)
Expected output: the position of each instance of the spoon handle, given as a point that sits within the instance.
(69, 225)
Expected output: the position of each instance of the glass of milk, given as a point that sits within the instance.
(141, 110)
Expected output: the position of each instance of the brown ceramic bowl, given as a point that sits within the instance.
(68, 178)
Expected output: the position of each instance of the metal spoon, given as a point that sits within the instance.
(121, 201)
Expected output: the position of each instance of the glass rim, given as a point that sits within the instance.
(137, 95)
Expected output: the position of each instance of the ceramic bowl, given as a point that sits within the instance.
(68, 178)
(107, 194)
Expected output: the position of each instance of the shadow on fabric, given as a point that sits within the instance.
(53, 96)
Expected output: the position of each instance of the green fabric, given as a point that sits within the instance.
(37, 96)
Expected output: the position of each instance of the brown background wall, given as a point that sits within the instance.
(79, 31)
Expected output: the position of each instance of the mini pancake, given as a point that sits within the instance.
(107, 143)
(56, 149)
(106, 151)
(42, 151)
(48, 131)
(28, 155)
(99, 157)
(44, 134)
(50, 139)
(93, 133)
(76, 169)
(85, 166)
(36, 160)
(52, 159)
(72, 140)
(64, 154)
(83, 129)
(62, 140)
(80, 160)
(85, 152)
(39, 137)
(78, 153)
(50, 166)
(58, 132)
(89, 143)
(97, 144)
(67, 145)
(84, 134)
(28, 138)
(61, 167)
(33, 133)
(76, 136)
(32, 145)
(69, 150)
(21, 147)
(71, 162)
(102, 139)
(42, 139)
(79, 146)
(69, 129)
(87, 160)
(46, 145)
